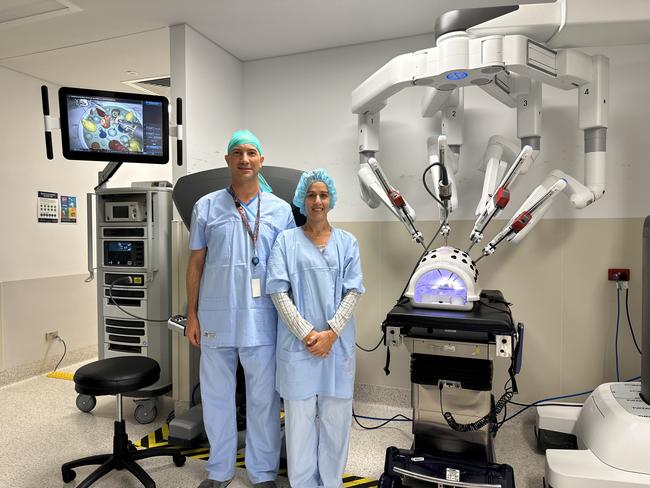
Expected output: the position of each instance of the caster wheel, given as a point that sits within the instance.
(387, 481)
(179, 460)
(144, 414)
(86, 403)
(68, 475)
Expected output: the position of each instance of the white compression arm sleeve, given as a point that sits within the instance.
(344, 312)
(290, 315)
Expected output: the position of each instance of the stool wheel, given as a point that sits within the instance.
(388, 481)
(179, 460)
(86, 403)
(145, 414)
(68, 475)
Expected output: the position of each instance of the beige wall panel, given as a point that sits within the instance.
(2, 342)
(589, 310)
(556, 280)
(33, 307)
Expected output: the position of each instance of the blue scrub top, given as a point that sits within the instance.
(228, 314)
(317, 282)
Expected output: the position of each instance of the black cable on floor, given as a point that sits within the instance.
(374, 348)
(395, 418)
(542, 402)
(65, 349)
(627, 311)
(192, 401)
(546, 404)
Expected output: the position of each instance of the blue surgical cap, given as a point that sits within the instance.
(306, 179)
(245, 136)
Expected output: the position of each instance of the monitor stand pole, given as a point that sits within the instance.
(104, 175)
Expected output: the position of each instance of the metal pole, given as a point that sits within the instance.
(118, 414)
(645, 307)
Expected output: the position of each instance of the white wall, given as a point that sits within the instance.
(210, 82)
(300, 107)
(29, 249)
(42, 266)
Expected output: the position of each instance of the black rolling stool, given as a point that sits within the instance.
(115, 376)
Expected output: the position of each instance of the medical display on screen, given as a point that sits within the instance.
(113, 125)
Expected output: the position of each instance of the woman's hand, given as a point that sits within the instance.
(320, 343)
(310, 339)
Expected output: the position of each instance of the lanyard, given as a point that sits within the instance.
(252, 233)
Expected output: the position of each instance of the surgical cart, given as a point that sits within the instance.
(454, 419)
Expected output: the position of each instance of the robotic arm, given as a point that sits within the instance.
(536, 205)
(529, 214)
(445, 149)
(508, 65)
(499, 198)
(375, 188)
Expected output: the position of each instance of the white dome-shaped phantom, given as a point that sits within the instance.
(445, 278)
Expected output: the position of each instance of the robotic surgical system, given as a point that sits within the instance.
(452, 328)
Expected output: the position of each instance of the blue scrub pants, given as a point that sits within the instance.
(218, 380)
(317, 433)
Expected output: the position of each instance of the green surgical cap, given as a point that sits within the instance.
(264, 185)
(245, 136)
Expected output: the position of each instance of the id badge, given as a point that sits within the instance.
(256, 287)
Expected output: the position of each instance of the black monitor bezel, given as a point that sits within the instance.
(113, 157)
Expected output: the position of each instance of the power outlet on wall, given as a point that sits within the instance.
(618, 274)
(50, 336)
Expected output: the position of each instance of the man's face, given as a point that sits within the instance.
(244, 162)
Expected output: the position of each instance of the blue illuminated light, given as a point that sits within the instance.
(440, 286)
(457, 75)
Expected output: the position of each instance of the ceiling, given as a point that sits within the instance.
(103, 44)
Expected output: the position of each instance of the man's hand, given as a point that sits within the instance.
(193, 331)
(321, 343)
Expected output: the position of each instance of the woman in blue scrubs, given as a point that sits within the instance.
(314, 279)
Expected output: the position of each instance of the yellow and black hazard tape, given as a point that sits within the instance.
(60, 375)
(157, 438)
(160, 436)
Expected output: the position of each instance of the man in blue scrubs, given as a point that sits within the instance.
(231, 317)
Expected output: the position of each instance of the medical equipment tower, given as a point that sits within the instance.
(133, 242)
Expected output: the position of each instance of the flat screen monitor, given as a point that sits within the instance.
(114, 126)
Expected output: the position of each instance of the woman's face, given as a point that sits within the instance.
(317, 201)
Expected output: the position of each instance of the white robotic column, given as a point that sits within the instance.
(613, 427)
(592, 101)
(645, 360)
